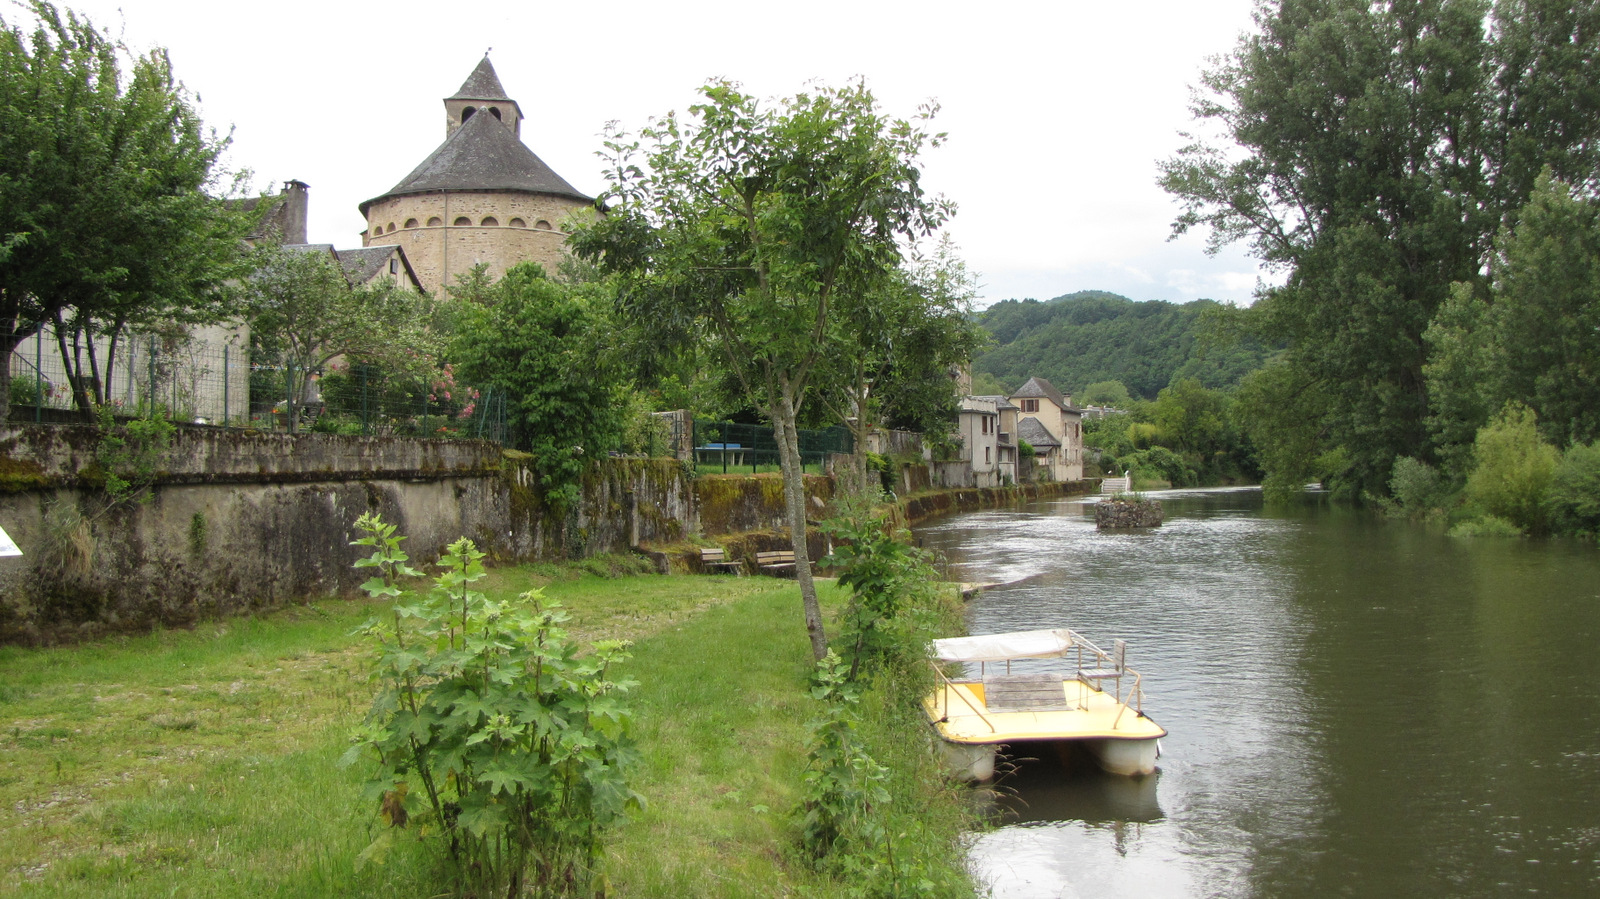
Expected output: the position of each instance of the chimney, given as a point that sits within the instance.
(295, 204)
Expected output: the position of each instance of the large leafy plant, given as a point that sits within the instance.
(489, 729)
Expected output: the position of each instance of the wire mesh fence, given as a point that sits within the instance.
(185, 380)
(731, 447)
(364, 399)
(214, 382)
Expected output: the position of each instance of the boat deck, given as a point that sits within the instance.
(1081, 712)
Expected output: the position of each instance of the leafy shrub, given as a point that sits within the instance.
(849, 825)
(1512, 469)
(1417, 488)
(843, 785)
(889, 582)
(1575, 491)
(1486, 526)
(1157, 463)
(489, 730)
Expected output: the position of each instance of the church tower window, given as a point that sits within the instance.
(517, 223)
(411, 223)
(435, 221)
(463, 221)
(490, 221)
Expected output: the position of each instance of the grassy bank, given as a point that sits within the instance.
(202, 763)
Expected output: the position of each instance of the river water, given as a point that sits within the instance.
(1354, 707)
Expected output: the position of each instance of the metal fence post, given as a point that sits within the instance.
(150, 385)
(364, 415)
(38, 375)
(226, 374)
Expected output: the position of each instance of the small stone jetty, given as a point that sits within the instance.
(1118, 514)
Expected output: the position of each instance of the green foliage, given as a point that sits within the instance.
(1575, 491)
(490, 730)
(1372, 151)
(1280, 409)
(1486, 526)
(1156, 464)
(303, 314)
(1025, 449)
(849, 825)
(1106, 393)
(889, 582)
(546, 344)
(130, 455)
(1417, 489)
(1513, 470)
(1099, 338)
(844, 786)
(108, 215)
(765, 231)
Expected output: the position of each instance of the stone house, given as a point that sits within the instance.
(481, 197)
(1053, 426)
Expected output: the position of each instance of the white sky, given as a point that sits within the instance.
(1057, 111)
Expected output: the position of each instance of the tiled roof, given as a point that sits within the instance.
(1000, 403)
(1041, 387)
(363, 263)
(483, 154)
(1031, 430)
(482, 84)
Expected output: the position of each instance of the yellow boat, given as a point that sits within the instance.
(1096, 701)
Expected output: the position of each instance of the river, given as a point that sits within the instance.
(1355, 707)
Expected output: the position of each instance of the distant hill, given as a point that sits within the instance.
(1088, 336)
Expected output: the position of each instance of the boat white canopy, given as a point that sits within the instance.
(1045, 644)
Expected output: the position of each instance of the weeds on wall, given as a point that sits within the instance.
(130, 455)
(489, 733)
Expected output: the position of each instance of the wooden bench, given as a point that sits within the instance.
(1024, 693)
(777, 561)
(717, 560)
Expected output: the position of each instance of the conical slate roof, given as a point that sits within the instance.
(482, 84)
(482, 154)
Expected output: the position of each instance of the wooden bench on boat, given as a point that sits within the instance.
(717, 560)
(777, 561)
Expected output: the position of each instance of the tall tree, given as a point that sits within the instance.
(1534, 337)
(902, 350)
(546, 344)
(759, 227)
(1362, 174)
(304, 313)
(105, 220)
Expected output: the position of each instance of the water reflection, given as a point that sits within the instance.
(1354, 707)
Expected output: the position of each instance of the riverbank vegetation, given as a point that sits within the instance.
(1423, 175)
(204, 763)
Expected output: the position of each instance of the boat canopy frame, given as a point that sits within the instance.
(1048, 643)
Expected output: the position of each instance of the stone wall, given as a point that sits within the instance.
(239, 521)
(1117, 514)
(440, 250)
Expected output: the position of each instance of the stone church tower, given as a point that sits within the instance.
(482, 196)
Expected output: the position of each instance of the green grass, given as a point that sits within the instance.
(202, 763)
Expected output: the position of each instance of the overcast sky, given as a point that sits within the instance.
(1057, 112)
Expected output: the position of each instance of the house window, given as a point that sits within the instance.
(1030, 405)
(394, 266)
(986, 452)
(985, 423)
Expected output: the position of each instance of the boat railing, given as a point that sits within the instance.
(1107, 666)
(1094, 666)
(959, 695)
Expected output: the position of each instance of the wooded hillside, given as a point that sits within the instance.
(1093, 335)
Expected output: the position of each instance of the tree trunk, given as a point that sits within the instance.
(794, 495)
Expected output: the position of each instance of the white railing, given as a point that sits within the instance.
(1117, 485)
